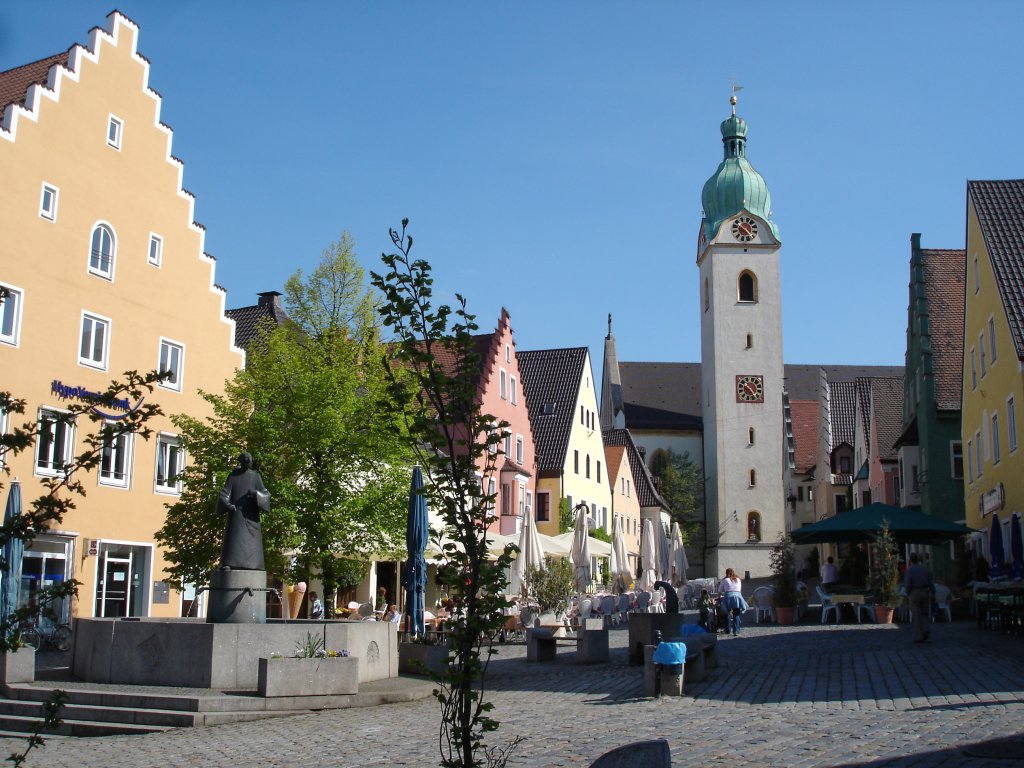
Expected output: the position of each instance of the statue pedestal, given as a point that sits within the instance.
(237, 597)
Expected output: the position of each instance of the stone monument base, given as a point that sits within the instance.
(237, 597)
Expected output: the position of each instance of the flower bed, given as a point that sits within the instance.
(317, 676)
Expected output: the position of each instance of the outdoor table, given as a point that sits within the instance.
(852, 599)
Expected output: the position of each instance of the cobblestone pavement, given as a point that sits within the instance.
(808, 695)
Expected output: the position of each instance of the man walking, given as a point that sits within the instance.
(917, 583)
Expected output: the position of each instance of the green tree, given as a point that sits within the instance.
(681, 484)
(308, 407)
(457, 444)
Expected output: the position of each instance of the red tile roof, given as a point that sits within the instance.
(944, 272)
(14, 83)
(806, 415)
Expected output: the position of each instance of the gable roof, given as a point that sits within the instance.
(250, 321)
(613, 458)
(887, 407)
(944, 272)
(842, 412)
(1000, 209)
(643, 482)
(551, 381)
(14, 83)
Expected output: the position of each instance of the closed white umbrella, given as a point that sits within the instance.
(648, 557)
(580, 552)
(619, 560)
(531, 555)
(664, 553)
(679, 563)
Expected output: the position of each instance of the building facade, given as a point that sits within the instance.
(105, 272)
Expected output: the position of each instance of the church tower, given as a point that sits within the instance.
(741, 362)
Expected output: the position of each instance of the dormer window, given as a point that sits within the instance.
(548, 409)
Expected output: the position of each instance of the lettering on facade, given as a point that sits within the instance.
(66, 392)
(992, 501)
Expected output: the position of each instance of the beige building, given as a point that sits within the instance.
(105, 272)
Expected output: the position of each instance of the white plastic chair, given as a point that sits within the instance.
(657, 601)
(827, 605)
(643, 602)
(763, 603)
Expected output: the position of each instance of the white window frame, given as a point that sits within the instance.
(519, 450)
(1011, 422)
(17, 296)
(952, 458)
(174, 384)
(508, 353)
(492, 489)
(513, 390)
(974, 370)
(970, 461)
(95, 320)
(503, 384)
(97, 269)
(991, 340)
(981, 354)
(120, 451)
(506, 444)
(115, 131)
(978, 469)
(3, 431)
(48, 466)
(156, 250)
(168, 445)
(48, 212)
(977, 281)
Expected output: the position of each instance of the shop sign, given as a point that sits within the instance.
(122, 404)
(992, 501)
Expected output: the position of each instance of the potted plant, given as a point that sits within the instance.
(783, 565)
(550, 586)
(312, 670)
(885, 574)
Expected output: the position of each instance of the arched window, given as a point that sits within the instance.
(747, 286)
(750, 341)
(707, 295)
(753, 526)
(101, 256)
(750, 440)
(753, 478)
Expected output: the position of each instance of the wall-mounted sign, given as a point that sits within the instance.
(992, 501)
(66, 392)
(93, 547)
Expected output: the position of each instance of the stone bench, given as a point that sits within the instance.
(592, 642)
(541, 644)
(671, 684)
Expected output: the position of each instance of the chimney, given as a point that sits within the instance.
(270, 299)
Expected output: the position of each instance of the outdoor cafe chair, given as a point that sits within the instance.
(763, 603)
(827, 605)
(944, 601)
(657, 602)
(643, 602)
(608, 609)
(624, 605)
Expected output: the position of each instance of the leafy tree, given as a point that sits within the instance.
(681, 484)
(457, 444)
(58, 498)
(565, 518)
(307, 406)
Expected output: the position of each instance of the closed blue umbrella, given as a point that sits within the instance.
(1017, 547)
(996, 568)
(414, 575)
(13, 550)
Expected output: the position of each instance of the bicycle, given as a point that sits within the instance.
(57, 636)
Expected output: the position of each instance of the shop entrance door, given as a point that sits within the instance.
(113, 593)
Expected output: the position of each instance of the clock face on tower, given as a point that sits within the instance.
(749, 389)
(744, 229)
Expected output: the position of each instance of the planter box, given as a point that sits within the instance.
(18, 666)
(421, 659)
(308, 677)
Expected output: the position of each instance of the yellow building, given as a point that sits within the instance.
(993, 384)
(105, 272)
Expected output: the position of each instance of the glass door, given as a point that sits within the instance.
(114, 589)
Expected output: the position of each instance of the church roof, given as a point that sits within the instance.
(551, 381)
(667, 396)
(1000, 209)
(944, 272)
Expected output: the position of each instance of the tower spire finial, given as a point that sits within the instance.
(732, 99)
(609, 325)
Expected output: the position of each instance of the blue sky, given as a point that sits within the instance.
(550, 155)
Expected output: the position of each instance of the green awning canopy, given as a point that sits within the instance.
(908, 526)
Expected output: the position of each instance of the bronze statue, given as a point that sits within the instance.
(242, 499)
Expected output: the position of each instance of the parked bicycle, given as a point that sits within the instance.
(56, 636)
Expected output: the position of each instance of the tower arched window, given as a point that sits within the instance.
(753, 526)
(747, 286)
(750, 341)
(753, 478)
(707, 295)
(101, 255)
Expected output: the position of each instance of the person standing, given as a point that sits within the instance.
(732, 600)
(316, 606)
(829, 575)
(917, 583)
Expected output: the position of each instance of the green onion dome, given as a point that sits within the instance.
(735, 186)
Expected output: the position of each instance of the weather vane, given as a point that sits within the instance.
(732, 99)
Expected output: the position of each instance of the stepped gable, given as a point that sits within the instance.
(643, 483)
(550, 379)
(944, 272)
(1000, 209)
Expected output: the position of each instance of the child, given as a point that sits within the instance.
(706, 606)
